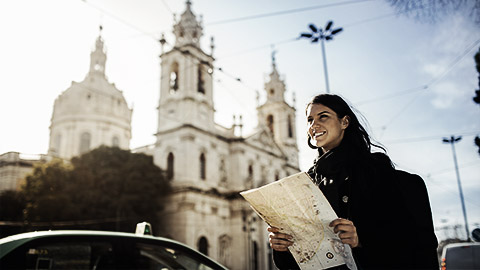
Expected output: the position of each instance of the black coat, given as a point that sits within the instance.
(390, 209)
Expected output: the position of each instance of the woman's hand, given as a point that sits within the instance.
(348, 231)
(279, 241)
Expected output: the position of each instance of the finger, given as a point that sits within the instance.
(347, 235)
(281, 242)
(279, 248)
(280, 245)
(273, 229)
(280, 236)
(338, 221)
(344, 228)
(350, 238)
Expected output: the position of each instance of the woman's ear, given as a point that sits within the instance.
(345, 121)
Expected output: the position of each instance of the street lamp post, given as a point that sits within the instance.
(452, 140)
(322, 35)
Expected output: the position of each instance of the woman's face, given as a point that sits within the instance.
(324, 126)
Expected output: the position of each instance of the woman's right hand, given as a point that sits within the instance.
(279, 241)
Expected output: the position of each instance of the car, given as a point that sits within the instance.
(461, 256)
(82, 249)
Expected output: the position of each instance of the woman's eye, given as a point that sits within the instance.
(323, 116)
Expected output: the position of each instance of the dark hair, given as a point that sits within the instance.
(356, 137)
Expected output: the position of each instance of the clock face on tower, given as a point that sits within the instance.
(98, 67)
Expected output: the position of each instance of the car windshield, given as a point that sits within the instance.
(104, 253)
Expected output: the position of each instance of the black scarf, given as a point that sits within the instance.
(331, 173)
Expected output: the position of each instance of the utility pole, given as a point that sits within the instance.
(322, 35)
(452, 140)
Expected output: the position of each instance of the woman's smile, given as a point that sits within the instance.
(324, 126)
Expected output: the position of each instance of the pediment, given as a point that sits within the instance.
(263, 139)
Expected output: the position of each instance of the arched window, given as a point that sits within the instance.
(115, 141)
(85, 142)
(270, 122)
(174, 78)
(203, 174)
(290, 130)
(203, 245)
(200, 82)
(250, 171)
(170, 163)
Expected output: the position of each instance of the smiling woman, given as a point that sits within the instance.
(325, 127)
(366, 192)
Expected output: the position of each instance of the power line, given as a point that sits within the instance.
(117, 18)
(270, 14)
(429, 84)
(429, 138)
(257, 48)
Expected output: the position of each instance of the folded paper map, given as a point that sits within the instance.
(297, 207)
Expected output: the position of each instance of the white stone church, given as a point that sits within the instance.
(208, 164)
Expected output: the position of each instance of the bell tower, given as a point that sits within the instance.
(186, 92)
(278, 117)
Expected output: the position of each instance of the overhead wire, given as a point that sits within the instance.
(429, 138)
(428, 85)
(290, 11)
(435, 80)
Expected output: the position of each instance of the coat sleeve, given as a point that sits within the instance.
(284, 260)
(415, 196)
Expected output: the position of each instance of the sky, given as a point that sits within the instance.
(411, 81)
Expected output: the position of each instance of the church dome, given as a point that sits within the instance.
(90, 113)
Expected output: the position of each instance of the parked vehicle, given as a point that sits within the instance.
(461, 256)
(99, 250)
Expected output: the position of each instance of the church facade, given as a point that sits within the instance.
(209, 164)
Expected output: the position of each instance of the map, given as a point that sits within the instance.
(297, 207)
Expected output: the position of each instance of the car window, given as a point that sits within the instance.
(62, 255)
(161, 257)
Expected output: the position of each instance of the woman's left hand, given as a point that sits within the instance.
(348, 231)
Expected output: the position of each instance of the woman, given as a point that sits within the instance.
(387, 224)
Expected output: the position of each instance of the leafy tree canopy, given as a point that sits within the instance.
(106, 183)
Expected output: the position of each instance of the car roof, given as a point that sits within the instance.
(456, 245)
(461, 244)
(11, 242)
(40, 234)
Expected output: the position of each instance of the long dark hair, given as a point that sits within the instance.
(356, 138)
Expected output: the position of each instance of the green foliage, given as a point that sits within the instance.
(46, 192)
(106, 183)
(15, 202)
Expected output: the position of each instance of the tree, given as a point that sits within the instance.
(476, 99)
(16, 203)
(107, 188)
(433, 10)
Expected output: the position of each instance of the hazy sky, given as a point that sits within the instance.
(412, 81)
